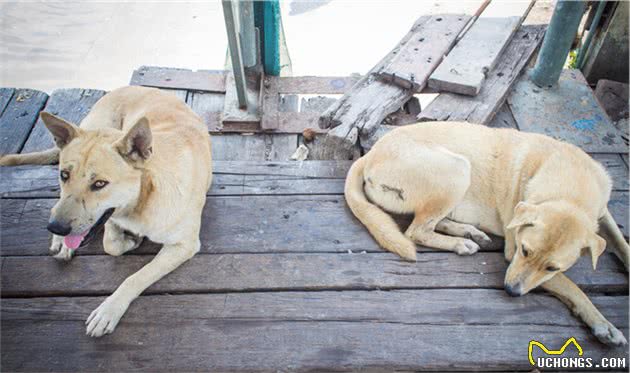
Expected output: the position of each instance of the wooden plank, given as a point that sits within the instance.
(270, 104)
(616, 168)
(411, 65)
(581, 121)
(482, 108)
(504, 118)
(5, 98)
(324, 85)
(253, 147)
(362, 109)
(182, 94)
(272, 225)
(394, 306)
(101, 274)
(203, 345)
(70, 104)
(209, 106)
(167, 77)
(233, 112)
(625, 159)
(618, 207)
(467, 64)
(230, 178)
(319, 331)
(18, 118)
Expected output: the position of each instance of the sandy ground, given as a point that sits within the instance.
(48, 45)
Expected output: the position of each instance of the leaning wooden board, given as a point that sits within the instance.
(419, 330)
(465, 68)
(482, 107)
(362, 109)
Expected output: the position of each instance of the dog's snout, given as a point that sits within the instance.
(59, 228)
(514, 291)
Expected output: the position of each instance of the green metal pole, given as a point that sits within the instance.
(558, 39)
(581, 57)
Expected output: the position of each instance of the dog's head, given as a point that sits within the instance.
(550, 237)
(99, 171)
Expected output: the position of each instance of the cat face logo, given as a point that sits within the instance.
(533, 343)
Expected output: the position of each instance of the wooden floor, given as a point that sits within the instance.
(287, 278)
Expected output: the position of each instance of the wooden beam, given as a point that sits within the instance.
(172, 78)
(465, 67)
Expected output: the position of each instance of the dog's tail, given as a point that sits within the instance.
(50, 156)
(621, 247)
(382, 227)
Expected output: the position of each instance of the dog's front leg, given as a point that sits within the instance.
(571, 295)
(105, 317)
(510, 245)
(59, 250)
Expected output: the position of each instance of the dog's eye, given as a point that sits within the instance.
(64, 175)
(552, 268)
(99, 184)
(525, 252)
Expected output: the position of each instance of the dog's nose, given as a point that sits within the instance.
(59, 228)
(514, 291)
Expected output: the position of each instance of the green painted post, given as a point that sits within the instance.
(558, 39)
(267, 19)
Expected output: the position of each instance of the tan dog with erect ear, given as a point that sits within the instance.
(544, 196)
(140, 164)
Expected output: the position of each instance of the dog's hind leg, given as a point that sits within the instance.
(454, 228)
(117, 241)
(427, 217)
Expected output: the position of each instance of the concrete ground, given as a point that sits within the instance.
(49, 45)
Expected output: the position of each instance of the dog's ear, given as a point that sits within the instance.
(596, 247)
(63, 132)
(524, 214)
(135, 146)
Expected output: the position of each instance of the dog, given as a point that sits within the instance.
(140, 165)
(545, 197)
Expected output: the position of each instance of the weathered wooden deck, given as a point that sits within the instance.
(287, 278)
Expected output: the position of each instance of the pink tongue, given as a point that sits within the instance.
(73, 241)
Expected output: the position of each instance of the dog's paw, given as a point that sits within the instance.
(481, 238)
(608, 334)
(104, 318)
(59, 250)
(466, 247)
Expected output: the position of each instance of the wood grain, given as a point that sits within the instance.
(173, 78)
(298, 331)
(464, 69)
(101, 274)
(70, 104)
(482, 107)
(18, 118)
